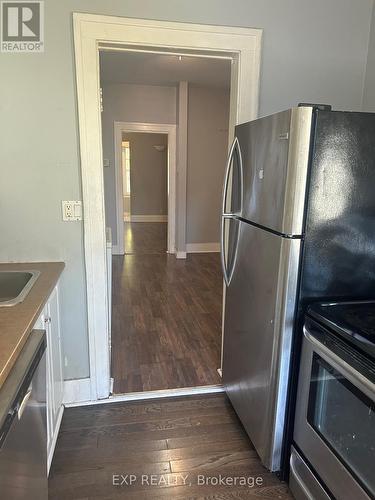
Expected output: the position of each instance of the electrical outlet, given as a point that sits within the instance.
(71, 210)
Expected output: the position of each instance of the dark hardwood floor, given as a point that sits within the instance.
(169, 446)
(145, 238)
(166, 315)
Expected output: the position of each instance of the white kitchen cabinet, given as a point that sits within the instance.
(50, 322)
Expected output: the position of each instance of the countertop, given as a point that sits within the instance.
(17, 322)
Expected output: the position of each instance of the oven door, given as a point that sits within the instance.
(335, 415)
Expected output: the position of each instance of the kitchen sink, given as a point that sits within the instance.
(15, 285)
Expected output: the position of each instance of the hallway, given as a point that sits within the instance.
(166, 315)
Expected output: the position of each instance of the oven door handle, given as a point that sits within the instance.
(355, 377)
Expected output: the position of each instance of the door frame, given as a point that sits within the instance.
(92, 32)
(149, 128)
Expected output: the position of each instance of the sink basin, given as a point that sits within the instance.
(15, 285)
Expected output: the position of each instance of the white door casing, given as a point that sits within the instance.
(91, 31)
(150, 128)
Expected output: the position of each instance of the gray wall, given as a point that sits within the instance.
(130, 103)
(208, 120)
(312, 51)
(369, 90)
(148, 174)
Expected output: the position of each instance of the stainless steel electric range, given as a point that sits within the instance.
(333, 453)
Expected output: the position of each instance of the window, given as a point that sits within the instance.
(126, 167)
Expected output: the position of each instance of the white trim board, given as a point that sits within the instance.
(76, 391)
(180, 255)
(149, 218)
(241, 45)
(54, 439)
(143, 396)
(182, 158)
(151, 128)
(202, 247)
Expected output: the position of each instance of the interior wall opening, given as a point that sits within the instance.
(166, 307)
(126, 187)
(145, 192)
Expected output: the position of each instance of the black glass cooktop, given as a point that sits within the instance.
(353, 321)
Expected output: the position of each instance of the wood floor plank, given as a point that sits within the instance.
(110, 451)
(271, 492)
(139, 455)
(218, 460)
(104, 435)
(103, 440)
(230, 435)
(148, 410)
(122, 465)
(164, 424)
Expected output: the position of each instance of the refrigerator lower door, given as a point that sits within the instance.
(259, 313)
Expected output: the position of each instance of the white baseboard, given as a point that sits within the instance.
(77, 391)
(167, 393)
(116, 250)
(180, 255)
(149, 218)
(202, 247)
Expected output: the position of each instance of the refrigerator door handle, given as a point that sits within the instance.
(241, 176)
(222, 250)
(235, 146)
(227, 274)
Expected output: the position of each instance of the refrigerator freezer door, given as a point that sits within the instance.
(275, 157)
(259, 312)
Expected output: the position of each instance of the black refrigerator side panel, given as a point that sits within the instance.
(339, 248)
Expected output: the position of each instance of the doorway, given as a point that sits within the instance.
(154, 136)
(144, 164)
(125, 170)
(241, 45)
(166, 314)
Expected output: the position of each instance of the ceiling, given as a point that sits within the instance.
(157, 69)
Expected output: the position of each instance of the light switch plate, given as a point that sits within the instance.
(71, 210)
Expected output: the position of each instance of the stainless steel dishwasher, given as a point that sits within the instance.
(23, 425)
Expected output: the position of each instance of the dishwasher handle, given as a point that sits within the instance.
(22, 406)
(16, 410)
(7, 425)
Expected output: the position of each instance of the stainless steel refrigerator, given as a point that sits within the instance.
(297, 222)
